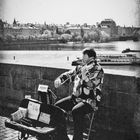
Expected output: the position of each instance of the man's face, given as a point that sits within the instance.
(85, 58)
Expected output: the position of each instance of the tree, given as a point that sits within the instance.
(67, 32)
(57, 32)
(86, 37)
(104, 36)
(82, 32)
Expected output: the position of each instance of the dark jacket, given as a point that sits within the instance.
(87, 80)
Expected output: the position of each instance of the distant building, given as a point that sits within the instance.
(59, 29)
(23, 31)
(14, 23)
(76, 29)
(29, 31)
(125, 31)
(109, 26)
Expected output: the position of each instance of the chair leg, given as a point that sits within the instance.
(90, 127)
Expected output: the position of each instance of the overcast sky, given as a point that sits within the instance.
(123, 12)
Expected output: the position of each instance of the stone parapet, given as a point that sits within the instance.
(120, 108)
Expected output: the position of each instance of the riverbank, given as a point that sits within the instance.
(49, 44)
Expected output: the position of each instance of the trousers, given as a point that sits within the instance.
(79, 110)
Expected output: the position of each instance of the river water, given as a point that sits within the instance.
(63, 58)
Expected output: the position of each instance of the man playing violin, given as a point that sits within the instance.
(87, 78)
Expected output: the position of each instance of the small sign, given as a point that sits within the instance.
(33, 110)
(44, 117)
(16, 116)
(23, 111)
(27, 96)
(43, 88)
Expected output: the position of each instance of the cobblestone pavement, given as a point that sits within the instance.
(7, 133)
(10, 134)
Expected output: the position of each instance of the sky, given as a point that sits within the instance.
(123, 12)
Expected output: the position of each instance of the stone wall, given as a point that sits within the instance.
(118, 116)
(16, 81)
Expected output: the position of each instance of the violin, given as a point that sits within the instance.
(83, 67)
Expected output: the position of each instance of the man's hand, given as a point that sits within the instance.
(57, 83)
